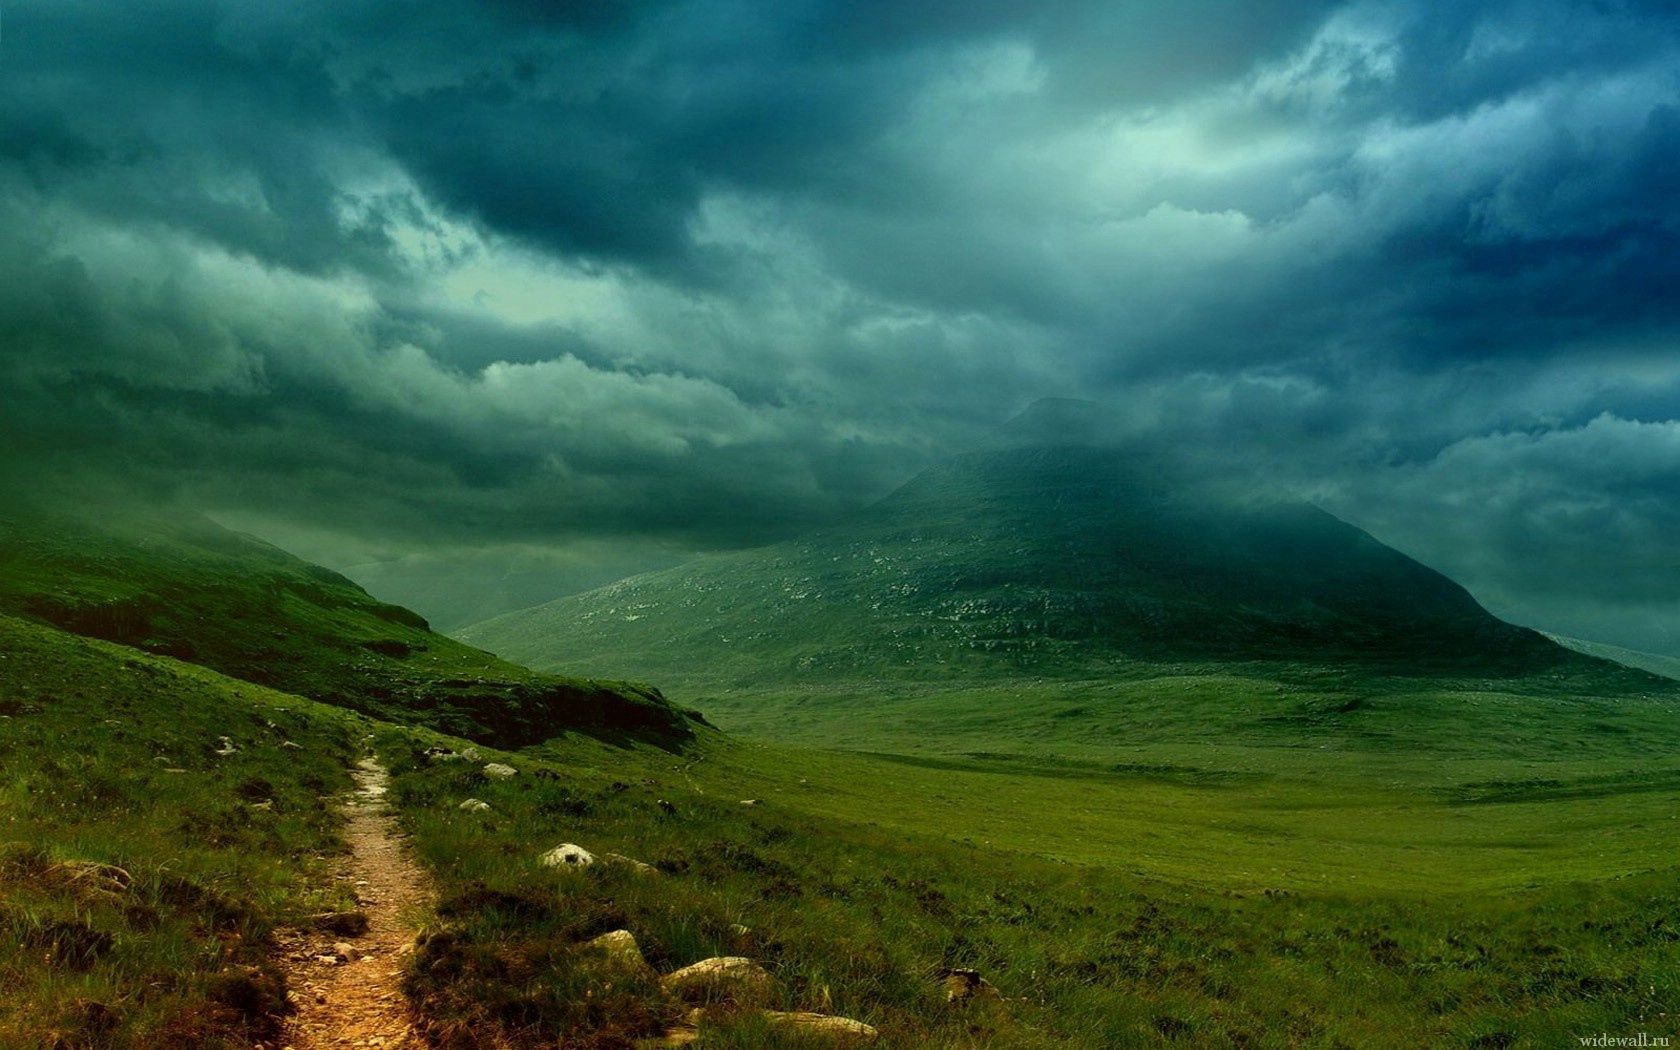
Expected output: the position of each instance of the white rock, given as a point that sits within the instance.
(837, 1031)
(622, 951)
(568, 855)
(499, 771)
(730, 977)
(225, 745)
(639, 867)
(473, 805)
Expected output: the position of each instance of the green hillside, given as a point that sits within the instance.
(1059, 562)
(195, 591)
(146, 865)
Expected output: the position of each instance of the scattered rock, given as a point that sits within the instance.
(499, 771)
(749, 802)
(639, 867)
(622, 952)
(225, 745)
(666, 808)
(966, 986)
(473, 805)
(265, 805)
(290, 745)
(472, 754)
(837, 1031)
(727, 978)
(568, 855)
(343, 923)
(344, 951)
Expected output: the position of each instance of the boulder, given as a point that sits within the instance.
(729, 978)
(835, 1031)
(622, 952)
(568, 855)
(474, 805)
(498, 771)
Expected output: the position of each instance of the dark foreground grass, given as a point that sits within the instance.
(860, 920)
(142, 873)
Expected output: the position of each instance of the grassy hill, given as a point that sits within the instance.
(190, 589)
(1059, 564)
(144, 872)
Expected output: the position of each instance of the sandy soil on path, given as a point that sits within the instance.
(358, 1003)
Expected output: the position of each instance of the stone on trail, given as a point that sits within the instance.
(729, 978)
(499, 771)
(568, 855)
(474, 805)
(836, 1031)
(343, 923)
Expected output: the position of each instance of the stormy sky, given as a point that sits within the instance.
(541, 293)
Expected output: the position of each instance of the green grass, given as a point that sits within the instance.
(1147, 908)
(188, 588)
(108, 758)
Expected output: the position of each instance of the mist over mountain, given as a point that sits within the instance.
(1068, 559)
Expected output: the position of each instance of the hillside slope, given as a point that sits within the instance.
(1653, 663)
(195, 591)
(163, 824)
(1047, 561)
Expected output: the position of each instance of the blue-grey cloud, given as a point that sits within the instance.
(459, 277)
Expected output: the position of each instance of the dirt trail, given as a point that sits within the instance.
(358, 1003)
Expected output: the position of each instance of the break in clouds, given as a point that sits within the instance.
(562, 290)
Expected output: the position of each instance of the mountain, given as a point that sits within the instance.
(1045, 561)
(190, 589)
(1653, 663)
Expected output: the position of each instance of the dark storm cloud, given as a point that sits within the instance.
(446, 279)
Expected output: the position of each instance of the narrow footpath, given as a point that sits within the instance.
(346, 988)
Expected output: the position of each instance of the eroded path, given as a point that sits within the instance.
(354, 998)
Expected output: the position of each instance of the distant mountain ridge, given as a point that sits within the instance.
(1653, 663)
(1040, 560)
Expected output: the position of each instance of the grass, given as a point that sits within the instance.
(142, 874)
(856, 899)
(190, 589)
(1204, 854)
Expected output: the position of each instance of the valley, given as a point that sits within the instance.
(1191, 850)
